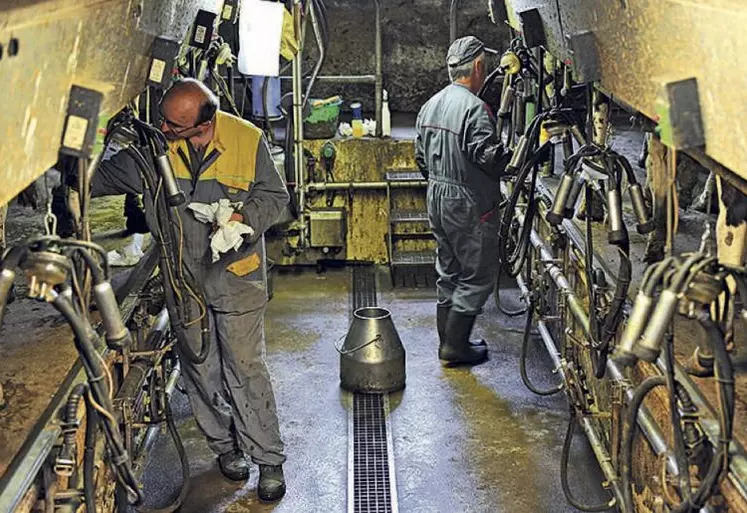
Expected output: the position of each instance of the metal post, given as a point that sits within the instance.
(298, 170)
(379, 71)
(453, 10)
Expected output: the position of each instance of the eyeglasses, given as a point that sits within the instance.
(173, 126)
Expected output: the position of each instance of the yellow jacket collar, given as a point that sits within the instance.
(214, 143)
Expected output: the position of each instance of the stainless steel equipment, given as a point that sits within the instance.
(372, 357)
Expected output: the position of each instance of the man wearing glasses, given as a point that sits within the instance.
(216, 155)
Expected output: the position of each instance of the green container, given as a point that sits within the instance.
(323, 120)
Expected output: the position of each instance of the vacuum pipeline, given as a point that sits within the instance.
(556, 273)
(341, 79)
(603, 457)
(343, 186)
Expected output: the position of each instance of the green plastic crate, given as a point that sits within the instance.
(323, 120)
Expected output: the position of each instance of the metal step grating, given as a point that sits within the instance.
(408, 216)
(411, 258)
(405, 175)
(372, 487)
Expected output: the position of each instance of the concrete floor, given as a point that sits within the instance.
(464, 440)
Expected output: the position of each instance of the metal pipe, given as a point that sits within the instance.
(340, 79)
(645, 419)
(342, 186)
(556, 273)
(737, 459)
(595, 440)
(453, 20)
(379, 70)
(298, 170)
(152, 432)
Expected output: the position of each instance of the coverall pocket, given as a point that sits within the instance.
(245, 266)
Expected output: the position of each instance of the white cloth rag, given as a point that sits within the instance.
(229, 234)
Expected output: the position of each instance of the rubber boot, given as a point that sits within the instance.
(456, 349)
(271, 484)
(234, 465)
(442, 314)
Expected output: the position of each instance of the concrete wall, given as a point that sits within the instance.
(415, 41)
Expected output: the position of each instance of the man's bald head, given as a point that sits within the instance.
(186, 107)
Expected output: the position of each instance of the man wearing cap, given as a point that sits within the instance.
(458, 150)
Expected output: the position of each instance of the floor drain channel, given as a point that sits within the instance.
(371, 481)
(364, 287)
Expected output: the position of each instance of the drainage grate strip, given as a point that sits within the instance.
(364, 287)
(371, 482)
(372, 486)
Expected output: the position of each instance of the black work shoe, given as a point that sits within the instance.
(457, 349)
(234, 465)
(442, 314)
(271, 486)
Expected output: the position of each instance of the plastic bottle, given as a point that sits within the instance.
(357, 122)
(386, 116)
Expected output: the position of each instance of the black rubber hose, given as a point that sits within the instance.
(523, 359)
(510, 262)
(679, 442)
(89, 458)
(94, 371)
(564, 459)
(82, 244)
(497, 72)
(167, 261)
(497, 297)
(631, 421)
(183, 461)
(70, 419)
(725, 380)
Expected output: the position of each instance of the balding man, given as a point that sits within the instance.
(216, 155)
(458, 150)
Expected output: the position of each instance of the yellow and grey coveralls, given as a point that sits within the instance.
(230, 393)
(457, 149)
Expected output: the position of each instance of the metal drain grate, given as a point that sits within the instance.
(364, 287)
(371, 482)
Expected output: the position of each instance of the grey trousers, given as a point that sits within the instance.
(467, 249)
(231, 392)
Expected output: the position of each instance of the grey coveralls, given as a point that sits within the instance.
(231, 391)
(458, 151)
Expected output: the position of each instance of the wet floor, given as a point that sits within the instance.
(464, 440)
